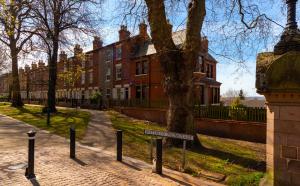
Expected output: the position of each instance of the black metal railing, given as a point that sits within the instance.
(255, 114)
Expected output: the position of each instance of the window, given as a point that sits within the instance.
(108, 74)
(119, 52)
(108, 93)
(215, 95)
(202, 94)
(90, 60)
(109, 55)
(200, 65)
(118, 93)
(141, 91)
(126, 96)
(141, 67)
(209, 71)
(118, 72)
(83, 78)
(65, 67)
(83, 64)
(91, 77)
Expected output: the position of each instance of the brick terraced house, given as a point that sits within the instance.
(128, 69)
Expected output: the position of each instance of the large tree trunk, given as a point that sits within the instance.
(179, 88)
(16, 100)
(52, 77)
(178, 63)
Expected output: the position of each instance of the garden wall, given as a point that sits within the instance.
(150, 114)
(241, 130)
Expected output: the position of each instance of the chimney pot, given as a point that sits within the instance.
(97, 43)
(123, 33)
(143, 30)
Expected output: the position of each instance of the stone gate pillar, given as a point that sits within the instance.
(278, 79)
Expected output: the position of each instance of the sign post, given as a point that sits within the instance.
(184, 137)
(183, 154)
(151, 149)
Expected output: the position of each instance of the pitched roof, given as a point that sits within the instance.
(210, 81)
(147, 48)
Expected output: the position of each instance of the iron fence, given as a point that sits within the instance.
(255, 114)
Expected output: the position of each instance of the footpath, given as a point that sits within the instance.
(95, 163)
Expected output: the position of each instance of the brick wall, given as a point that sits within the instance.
(248, 131)
(240, 130)
(154, 115)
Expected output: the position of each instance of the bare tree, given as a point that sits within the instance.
(56, 19)
(231, 93)
(15, 32)
(178, 62)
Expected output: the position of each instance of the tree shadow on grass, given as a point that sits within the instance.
(35, 114)
(232, 158)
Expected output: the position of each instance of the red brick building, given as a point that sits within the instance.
(5, 82)
(138, 74)
(128, 69)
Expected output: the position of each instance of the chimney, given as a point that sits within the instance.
(63, 56)
(27, 68)
(21, 70)
(204, 44)
(97, 43)
(77, 49)
(41, 63)
(33, 66)
(123, 33)
(143, 30)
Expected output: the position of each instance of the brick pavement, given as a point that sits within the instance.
(54, 167)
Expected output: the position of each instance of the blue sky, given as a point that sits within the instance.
(229, 52)
(231, 73)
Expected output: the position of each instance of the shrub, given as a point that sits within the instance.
(96, 98)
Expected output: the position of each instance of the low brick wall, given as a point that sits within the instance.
(150, 114)
(241, 130)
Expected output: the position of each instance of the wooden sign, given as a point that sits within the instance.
(169, 134)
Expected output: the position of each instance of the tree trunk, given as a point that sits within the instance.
(178, 63)
(16, 100)
(179, 89)
(52, 77)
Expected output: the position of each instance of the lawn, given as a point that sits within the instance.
(60, 121)
(240, 162)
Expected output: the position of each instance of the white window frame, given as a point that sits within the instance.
(119, 47)
(91, 78)
(108, 94)
(108, 74)
(118, 71)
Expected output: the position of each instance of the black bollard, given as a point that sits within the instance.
(119, 145)
(48, 116)
(30, 168)
(72, 142)
(158, 166)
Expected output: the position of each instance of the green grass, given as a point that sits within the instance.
(60, 121)
(241, 164)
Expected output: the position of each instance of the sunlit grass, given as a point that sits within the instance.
(241, 164)
(60, 122)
